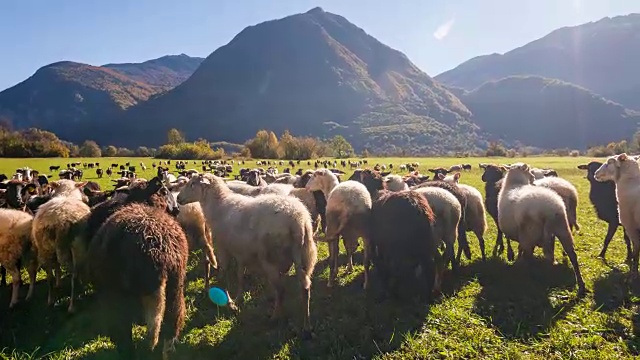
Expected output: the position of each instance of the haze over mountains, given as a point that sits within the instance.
(317, 74)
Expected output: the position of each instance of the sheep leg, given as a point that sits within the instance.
(350, 242)
(611, 231)
(627, 242)
(50, 283)
(275, 280)
(480, 237)
(15, 279)
(510, 254)
(58, 273)
(499, 247)
(240, 283)
(635, 245)
(334, 249)
(32, 269)
(74, 274)
(3, 274)
(566, 239)
(119, 323)
(367, 261)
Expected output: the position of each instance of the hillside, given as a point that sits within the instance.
(166, 72)
(315, 74)
(70, 98)
(548, 113)
(601, 56)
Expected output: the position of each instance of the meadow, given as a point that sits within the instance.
(489, 309)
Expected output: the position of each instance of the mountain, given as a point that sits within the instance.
(313, 73)
(548, 113)
(601, 56)
(166, 72)
(68, 98)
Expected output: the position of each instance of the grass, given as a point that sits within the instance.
(488, 310)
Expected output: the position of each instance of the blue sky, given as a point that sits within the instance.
(435, 34)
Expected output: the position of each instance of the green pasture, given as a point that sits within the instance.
(489, 310)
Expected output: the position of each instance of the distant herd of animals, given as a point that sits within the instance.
(266, 221)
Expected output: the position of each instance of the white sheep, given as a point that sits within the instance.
(268, 232)
(348, 211)
(567, 192)
(625, 172)
(16, 246)
(533, 215)
(475, 213)
(395, 183)
(447, 211)
(55, 233)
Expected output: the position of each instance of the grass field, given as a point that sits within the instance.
(490, 310)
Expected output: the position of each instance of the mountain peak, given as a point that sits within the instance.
(316, 10)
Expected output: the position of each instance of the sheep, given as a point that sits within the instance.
(625, 172)
(567, 192)
(448, 213)
(493, 182)
(475, 218)
(492, 178)
(54, 233)
(17, 193)
(463, 244)
(318, 197)
(402, 240)
(395, 183)
(195, 226)
(152, 252)
(541, 173)
(16, 248)
(269, 230)
(533, 215)
(603, 198)
(348, 210)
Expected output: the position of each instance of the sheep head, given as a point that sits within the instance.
(320, 180)
(493, 173)
(591, 168)
(195, 188)
(65, 187)
(519, 174)
(617, 167)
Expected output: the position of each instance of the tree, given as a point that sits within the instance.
(365, 153)
(90, 149)
(496, 149)
(175, 137)
(143, 151)
(341, 147)
(110, 151)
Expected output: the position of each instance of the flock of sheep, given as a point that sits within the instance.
(266, 222)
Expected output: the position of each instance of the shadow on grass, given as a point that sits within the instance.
(34, 326)
(612, 292)
(517, 299)
(347, 323)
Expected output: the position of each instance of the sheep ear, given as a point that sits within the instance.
(582, 167)
(456, 177)
(81, 184)
(482, 166)
(385, 173)
(440, 176)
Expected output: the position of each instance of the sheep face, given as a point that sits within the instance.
(591, 168)
(194, 190)
(519, 174)
(615, 166)
(253, 178)
(493, 173)
(317, 180)
(65, 187)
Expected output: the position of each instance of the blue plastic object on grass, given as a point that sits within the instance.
(218, 296)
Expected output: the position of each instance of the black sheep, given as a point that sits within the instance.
(152, 253)
(402, 241)
(603, 198)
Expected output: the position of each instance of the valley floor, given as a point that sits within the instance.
(490, 309)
